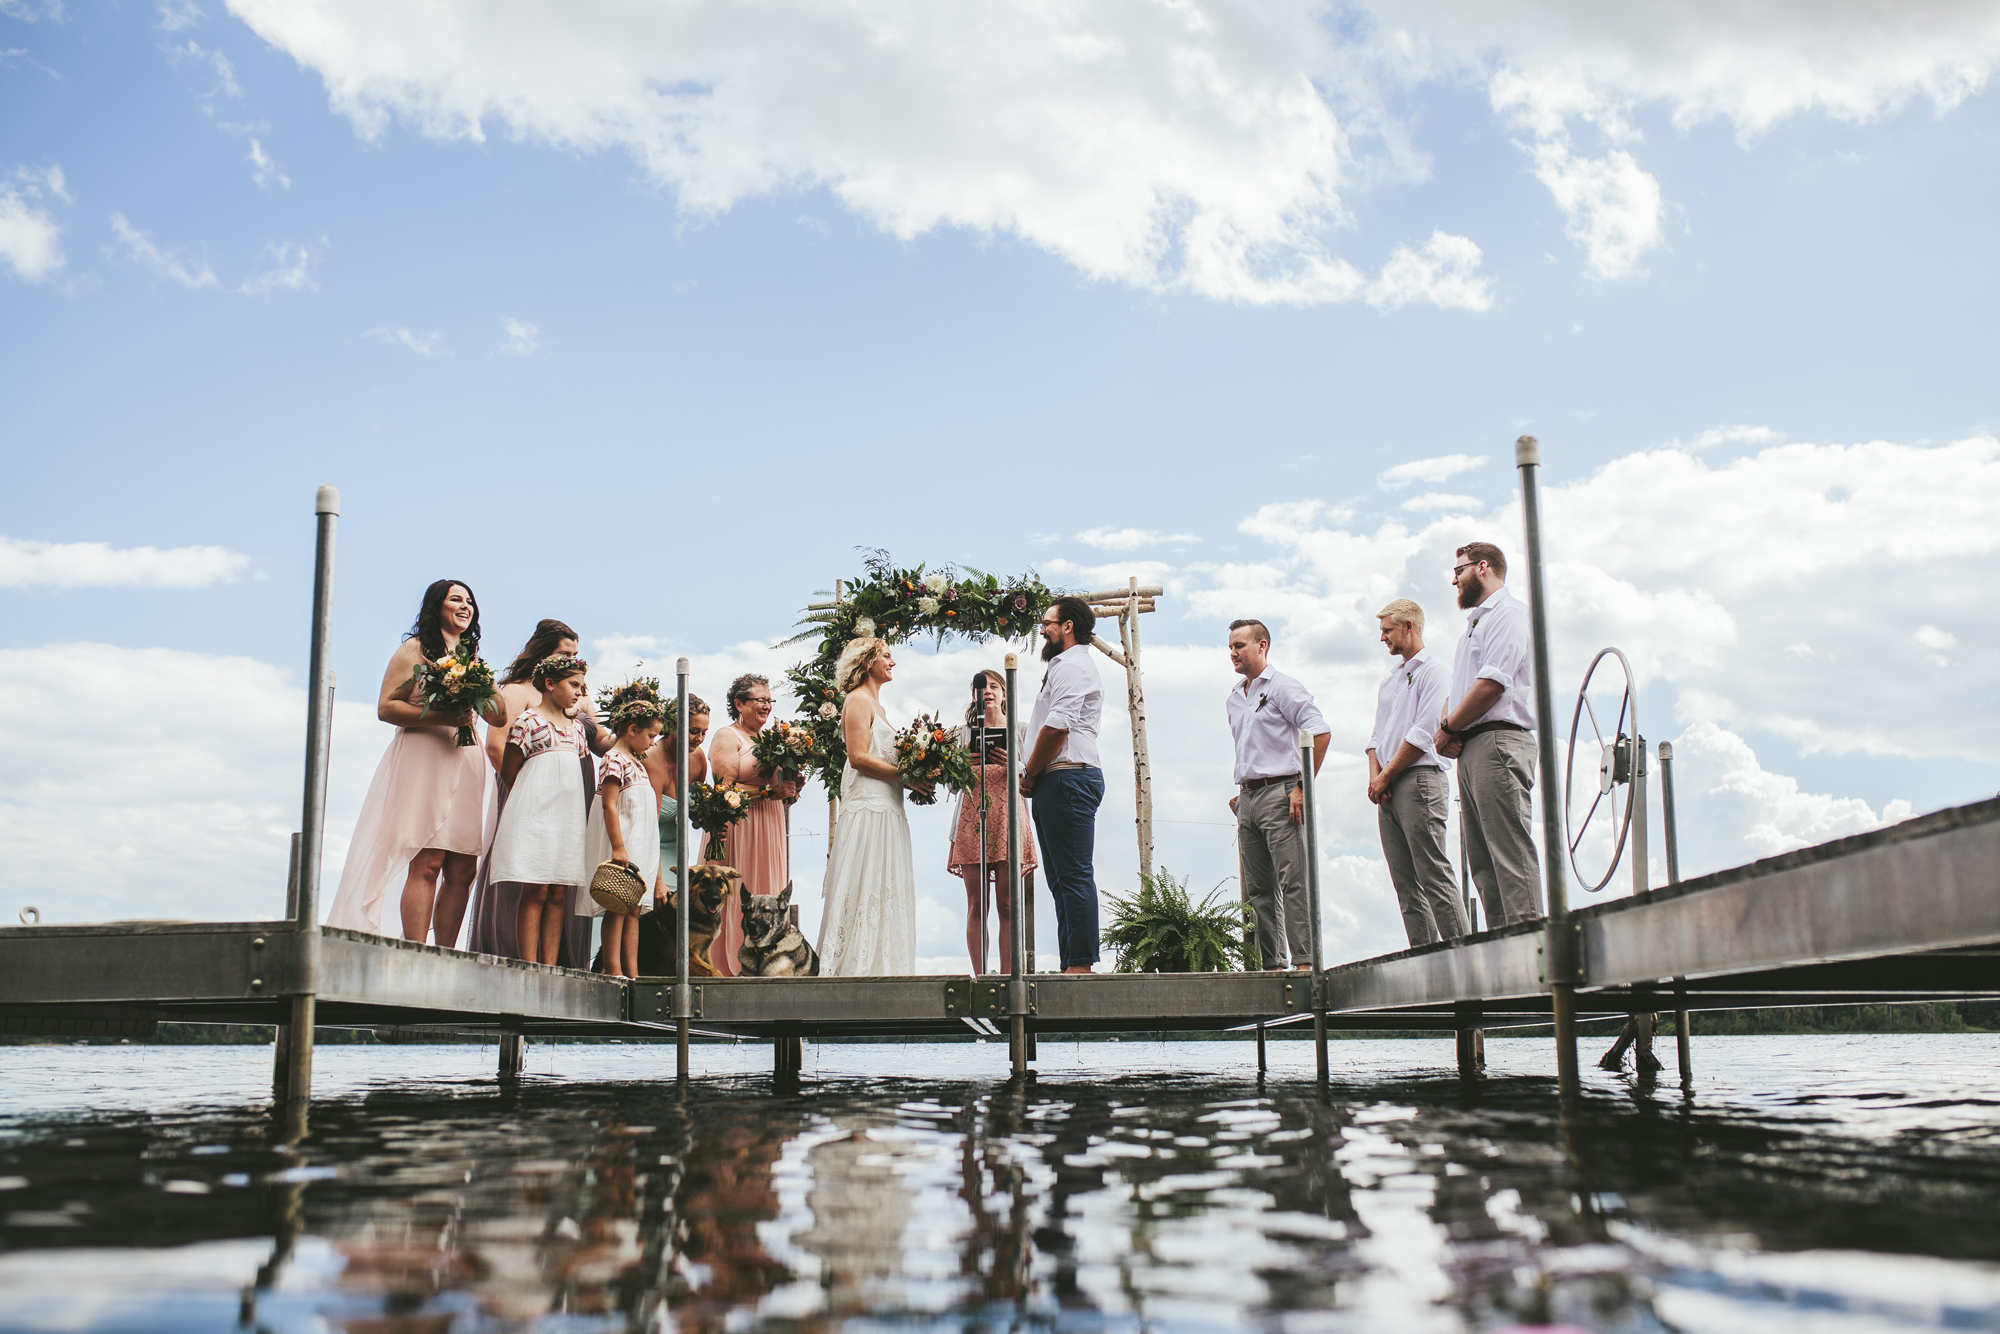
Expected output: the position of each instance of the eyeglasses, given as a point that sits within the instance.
(1457, 570)
(765, 700)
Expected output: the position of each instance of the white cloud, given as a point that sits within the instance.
(424, 345)
(1442, 273)
(290, 271)
(190, 274)
(225, 72)
(178, 14)
(1610, 206)
(1731, 810)
(1174, 147)
(266, 171)
(1428, 470)
(29, 564)
(29, 11)
(30, 237)
(193, 819)
(1728, 435)
(1131, 539)
(1443, 500)
(522, 339)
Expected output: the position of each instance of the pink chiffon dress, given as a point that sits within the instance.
(428, 792)
(754, 845)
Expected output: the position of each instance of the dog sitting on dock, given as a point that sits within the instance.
(656, 928)
(773, 945)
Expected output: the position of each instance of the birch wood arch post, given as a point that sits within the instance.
(900, 604)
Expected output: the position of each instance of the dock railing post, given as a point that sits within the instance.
(1559, 943)
(1312, 888)
(295, 1042)
(1670, 835)
(1017, 950)
(683, 989)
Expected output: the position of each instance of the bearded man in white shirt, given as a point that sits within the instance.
(1490, 730)
(1409, 782)
(1064, 778)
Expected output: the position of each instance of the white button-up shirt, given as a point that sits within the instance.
(1407, 708)
(1498, 645)
(1266, 722)
(1073, 698)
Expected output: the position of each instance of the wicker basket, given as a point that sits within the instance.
(617, 887)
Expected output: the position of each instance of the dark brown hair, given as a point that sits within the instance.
(1485, 551)
(1263, 630)
(540, 644)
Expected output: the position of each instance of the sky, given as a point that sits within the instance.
(649, 318)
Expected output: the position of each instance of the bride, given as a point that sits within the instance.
(870, 926)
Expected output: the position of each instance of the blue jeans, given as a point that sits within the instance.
(1065, 809)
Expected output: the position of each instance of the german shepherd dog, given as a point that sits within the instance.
(656, 928)
(772, 945)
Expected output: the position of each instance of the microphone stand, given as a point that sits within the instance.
(983, 800)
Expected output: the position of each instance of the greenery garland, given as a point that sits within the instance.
(895, 605)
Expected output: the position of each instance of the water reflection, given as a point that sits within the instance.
(1162, 1203)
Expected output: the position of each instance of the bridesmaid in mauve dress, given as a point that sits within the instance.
(754, 845)
(422, 825)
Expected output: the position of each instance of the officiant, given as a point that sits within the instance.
(985, 735)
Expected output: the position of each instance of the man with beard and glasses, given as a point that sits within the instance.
(1063, 777)
(1489, 728)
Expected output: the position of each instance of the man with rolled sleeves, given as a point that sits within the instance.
(1410, 783)
(1266, 714)
(1489, 728)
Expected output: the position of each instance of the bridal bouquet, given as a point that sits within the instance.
(713, 807)
(786, 751)
(458, 681)
(927, 752)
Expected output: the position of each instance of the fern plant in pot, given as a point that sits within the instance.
(1163, 930)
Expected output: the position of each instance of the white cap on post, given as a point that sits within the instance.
(1012, 662)
(327, 501)
(681, 666)
(1527, 451)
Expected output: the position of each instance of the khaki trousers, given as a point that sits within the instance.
(1496, 772)
(1412, 819)
(1274, 874)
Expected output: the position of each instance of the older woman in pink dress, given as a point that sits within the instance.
(754, 845)
(422, 825)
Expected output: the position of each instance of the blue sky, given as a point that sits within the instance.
(665, 394)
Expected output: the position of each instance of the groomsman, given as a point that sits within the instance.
(1064, 778)
(1490, 730)
(1407, 779)
(1266, 714)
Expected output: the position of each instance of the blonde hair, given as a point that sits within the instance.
(855, 660)
(1404, 610)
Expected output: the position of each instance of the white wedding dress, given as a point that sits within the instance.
(870, 926)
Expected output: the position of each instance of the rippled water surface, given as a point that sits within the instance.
(1818, 1184)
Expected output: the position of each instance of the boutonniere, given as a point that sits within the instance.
(1260, 702)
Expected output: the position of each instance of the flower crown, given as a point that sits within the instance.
(634, 702)
(558, 665)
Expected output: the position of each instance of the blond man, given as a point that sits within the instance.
(1408, 780)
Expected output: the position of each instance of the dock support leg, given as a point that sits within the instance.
(1681, 1033)
(788, 1054)
(1643, 1060)
(1471, 1044)
(1017, 1043)
(1262, 1064)
(1569, 1080)
(292, 1059)
(513, 1053)
(681, 1055)
(1319, 1045)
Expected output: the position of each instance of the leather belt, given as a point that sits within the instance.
(1467, 733)
(1063, 764)
(1252, 784)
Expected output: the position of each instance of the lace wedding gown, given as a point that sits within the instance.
(870, 927)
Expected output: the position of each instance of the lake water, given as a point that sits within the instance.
(1818, 1184)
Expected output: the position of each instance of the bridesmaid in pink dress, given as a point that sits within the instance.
(422, 825)
(754, 845)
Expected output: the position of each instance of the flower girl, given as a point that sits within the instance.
(625, 817)
(540, 844)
